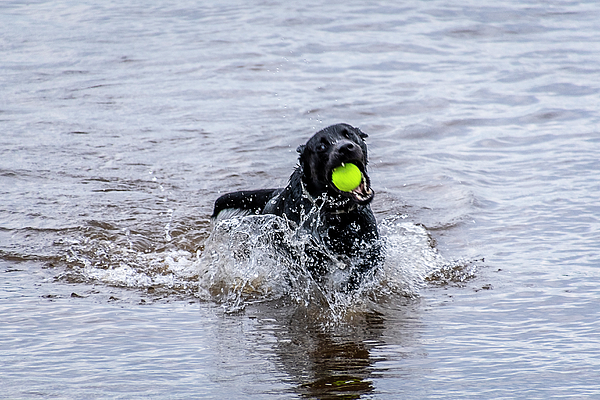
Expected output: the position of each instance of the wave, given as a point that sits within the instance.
(258, 258)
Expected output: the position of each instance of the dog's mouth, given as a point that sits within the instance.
(362, 193)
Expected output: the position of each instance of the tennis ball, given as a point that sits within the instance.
(346, 177)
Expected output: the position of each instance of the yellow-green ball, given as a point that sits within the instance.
(346, 177)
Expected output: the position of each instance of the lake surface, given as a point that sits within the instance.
(121, 123)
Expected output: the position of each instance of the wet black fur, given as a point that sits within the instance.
(340, 221)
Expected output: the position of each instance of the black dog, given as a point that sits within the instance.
(341, 223)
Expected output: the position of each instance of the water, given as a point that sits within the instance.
(121, 124)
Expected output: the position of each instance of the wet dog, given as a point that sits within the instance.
(340, 223)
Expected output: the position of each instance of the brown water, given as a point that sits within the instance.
(121, 124)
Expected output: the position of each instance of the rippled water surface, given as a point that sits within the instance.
(122, 122)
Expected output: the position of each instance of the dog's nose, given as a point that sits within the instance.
(347, 148)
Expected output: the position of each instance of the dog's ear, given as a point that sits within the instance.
(300, 149)
(361, 134)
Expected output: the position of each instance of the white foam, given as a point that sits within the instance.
(256, 258)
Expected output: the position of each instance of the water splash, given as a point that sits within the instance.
(240, 262)
(258, 258)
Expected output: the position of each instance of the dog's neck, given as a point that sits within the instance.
(326, 203)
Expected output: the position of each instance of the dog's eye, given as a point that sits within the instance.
(322, 146)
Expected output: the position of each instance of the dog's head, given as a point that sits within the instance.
(328, 149)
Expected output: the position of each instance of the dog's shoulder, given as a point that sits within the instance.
(291, 201)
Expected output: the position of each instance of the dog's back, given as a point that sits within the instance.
(244, 202)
